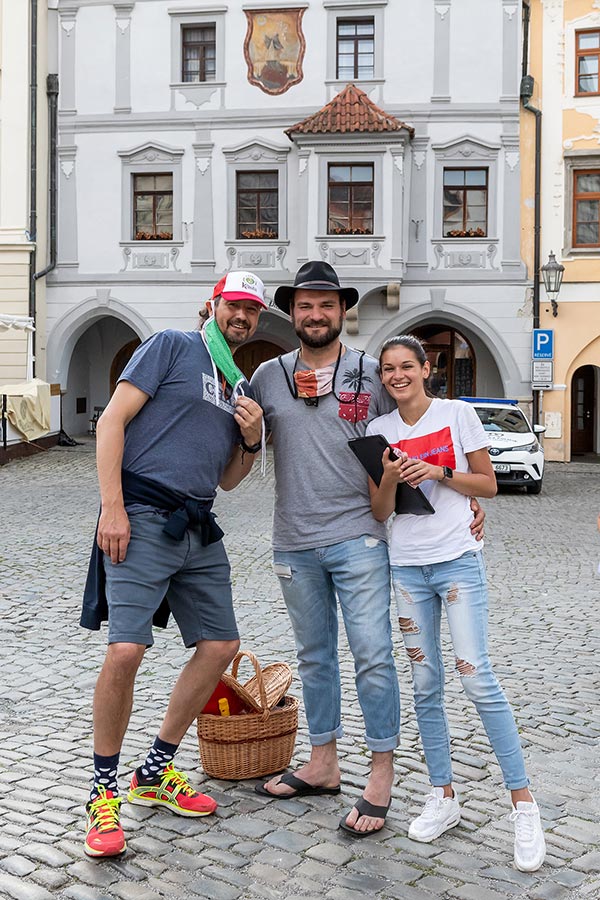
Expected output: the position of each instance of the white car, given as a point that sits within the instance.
(516, 453)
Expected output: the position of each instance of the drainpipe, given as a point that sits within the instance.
(33, 59)
(527, 87)
(52, 93)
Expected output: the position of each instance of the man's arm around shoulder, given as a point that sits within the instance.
(113, 526)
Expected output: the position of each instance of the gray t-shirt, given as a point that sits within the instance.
(179, 437)
(321, 490)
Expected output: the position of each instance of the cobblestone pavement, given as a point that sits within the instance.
(542, 553)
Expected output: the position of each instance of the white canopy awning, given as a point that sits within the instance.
(21, 323)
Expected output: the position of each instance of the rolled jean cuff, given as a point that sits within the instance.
(382, 745)
(319, 740)
(517, 785)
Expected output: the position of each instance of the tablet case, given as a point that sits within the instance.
(369, 450)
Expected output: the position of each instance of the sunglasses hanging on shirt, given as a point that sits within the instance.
(310, 384)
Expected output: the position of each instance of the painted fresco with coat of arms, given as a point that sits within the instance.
(274, 48)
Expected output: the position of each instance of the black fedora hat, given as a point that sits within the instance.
(315, 275)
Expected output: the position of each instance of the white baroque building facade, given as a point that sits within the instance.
(179, 160)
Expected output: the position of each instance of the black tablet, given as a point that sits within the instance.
(369, 450)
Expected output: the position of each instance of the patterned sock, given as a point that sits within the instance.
(160, 754)
(105, 774)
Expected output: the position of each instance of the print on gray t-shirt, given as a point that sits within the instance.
(321, 490)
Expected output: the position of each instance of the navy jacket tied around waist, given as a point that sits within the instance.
(184, 513)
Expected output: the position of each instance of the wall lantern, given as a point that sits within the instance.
(552, 273)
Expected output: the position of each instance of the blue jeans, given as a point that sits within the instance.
(358, 572)
(461, 587)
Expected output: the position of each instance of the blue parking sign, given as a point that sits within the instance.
(543, 343)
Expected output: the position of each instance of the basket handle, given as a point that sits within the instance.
(259, 677)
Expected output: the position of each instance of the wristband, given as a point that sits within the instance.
(250, 448)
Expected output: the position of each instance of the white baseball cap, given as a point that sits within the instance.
(241, 286)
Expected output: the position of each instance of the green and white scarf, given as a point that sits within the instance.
(222, 360)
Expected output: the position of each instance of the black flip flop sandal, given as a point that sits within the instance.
(365, 809)
(300, 788)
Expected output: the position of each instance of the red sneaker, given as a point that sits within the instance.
(171, 789)
(104, 835)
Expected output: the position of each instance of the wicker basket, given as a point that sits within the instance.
(255, 743)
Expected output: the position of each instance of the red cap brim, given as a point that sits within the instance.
(240, 295)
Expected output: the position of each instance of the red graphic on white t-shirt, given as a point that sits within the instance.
(436, 448)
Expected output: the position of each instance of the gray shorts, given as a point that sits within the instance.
(195, 579)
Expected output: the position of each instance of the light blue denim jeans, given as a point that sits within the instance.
(358, 572)
(461, 587)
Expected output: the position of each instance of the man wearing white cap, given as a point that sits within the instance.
(180, 423)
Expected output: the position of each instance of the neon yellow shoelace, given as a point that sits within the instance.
(104, 811)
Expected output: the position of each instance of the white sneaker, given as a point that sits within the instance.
(530, 846)
(439, 814)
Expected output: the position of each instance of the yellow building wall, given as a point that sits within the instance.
(577, 326)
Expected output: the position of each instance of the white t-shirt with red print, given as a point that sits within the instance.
(444, 434)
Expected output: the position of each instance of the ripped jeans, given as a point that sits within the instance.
(358, 572)
(461, 586)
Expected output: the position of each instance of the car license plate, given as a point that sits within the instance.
(501, 467)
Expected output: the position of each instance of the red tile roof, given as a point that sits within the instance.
(350, 111)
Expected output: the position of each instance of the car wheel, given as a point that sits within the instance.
(535, 487)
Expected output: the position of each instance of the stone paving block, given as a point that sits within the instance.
(288, 840)
(311, 870)
(267, 873)
(17, 865)
(589, 862)
(92, 873)
(231, 876)
(569, 877)
(46, 853)
(249, 828)
(53, 879)
(134, 892)
(82, 892)
(333, 854)
(12, 886)
(508, 873)
(549, 890)
(474, 892)
(280, 859)
(357, 881)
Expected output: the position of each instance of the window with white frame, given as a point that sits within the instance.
(257, 196)
(256, 192)
(465, 202)
(350, 198)
(197, 47)
(355, 49)
(151, 193)
(587, 62)
(355, 40)
(152, 207)
(582, 202)
(198, 52)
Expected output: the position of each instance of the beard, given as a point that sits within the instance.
(323, 340)
(235, 338)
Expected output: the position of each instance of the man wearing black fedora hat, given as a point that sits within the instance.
(326, 542)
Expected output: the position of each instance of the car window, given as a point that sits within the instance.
(496, 419)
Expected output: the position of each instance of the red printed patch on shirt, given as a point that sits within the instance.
(436, 448)
(353, 408)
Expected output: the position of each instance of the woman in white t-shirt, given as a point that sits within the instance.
(441, 447)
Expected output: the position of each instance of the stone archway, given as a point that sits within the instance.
(88, 381)
(497, 372)
(120, 360)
